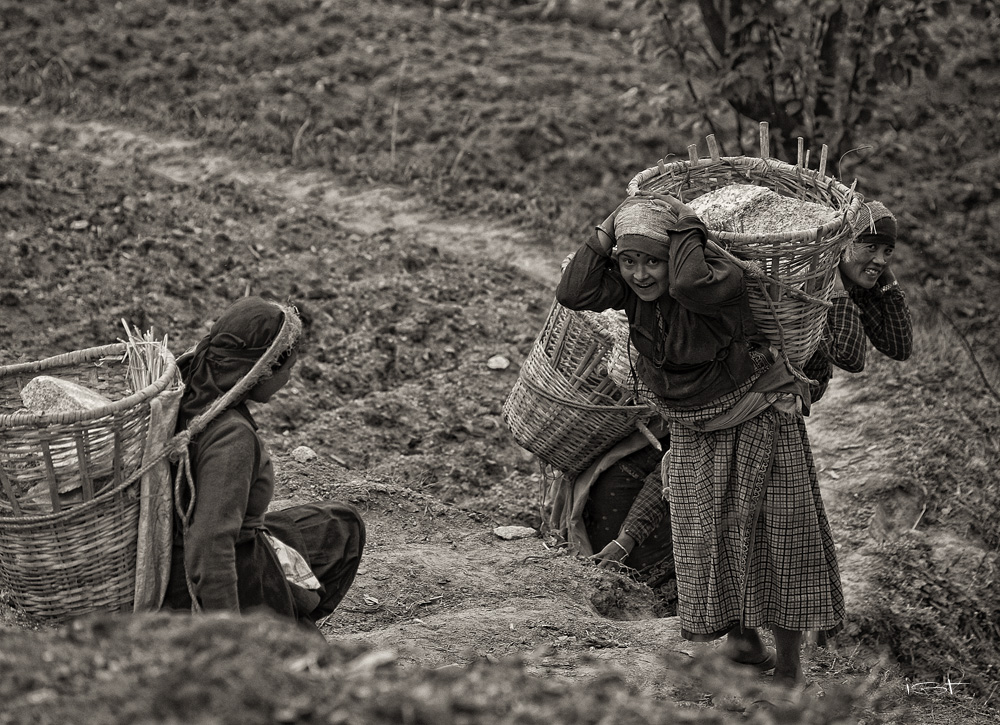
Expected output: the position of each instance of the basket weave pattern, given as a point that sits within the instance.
(623, 352)
(72, 549)
(790, 307)
(564, 407)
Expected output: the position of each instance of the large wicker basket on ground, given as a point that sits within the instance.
(69, 497)
(564, 407)
(790, 299)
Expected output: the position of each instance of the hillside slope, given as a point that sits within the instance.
(431, 466)
(411, 177)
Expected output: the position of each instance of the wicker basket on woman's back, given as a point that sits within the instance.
(790, 273)
(69, 484)
(564, 407)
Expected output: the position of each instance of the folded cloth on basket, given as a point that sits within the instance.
(156, 506)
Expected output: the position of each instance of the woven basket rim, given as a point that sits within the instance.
(590, 405)
(780, 168)
(23, 420)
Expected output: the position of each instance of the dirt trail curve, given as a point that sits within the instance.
(437, 587)
(365, 211)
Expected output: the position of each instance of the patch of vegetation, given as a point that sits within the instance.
(938, 600)
(537, 117)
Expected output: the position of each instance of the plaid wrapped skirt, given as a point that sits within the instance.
(752, 544)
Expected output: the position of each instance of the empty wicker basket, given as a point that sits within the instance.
(72, 550)
(564, 407)
(790, 300)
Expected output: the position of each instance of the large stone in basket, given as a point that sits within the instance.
(46, 395)
(564, 406)
(791, 270)
(756, 210)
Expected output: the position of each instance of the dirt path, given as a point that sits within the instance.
(365, 211)
(437, 587)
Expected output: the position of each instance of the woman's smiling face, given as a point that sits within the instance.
(646, 275)
(865, 261)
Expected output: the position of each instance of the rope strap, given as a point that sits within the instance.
(754, 271)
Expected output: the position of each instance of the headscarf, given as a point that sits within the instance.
(641, 225)
(237, 340)
(875, 223)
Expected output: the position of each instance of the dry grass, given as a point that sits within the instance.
(938, 600)
(943, 433)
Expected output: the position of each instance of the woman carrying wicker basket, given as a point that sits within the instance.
(868, 303)
(752, 545)
(229, 553)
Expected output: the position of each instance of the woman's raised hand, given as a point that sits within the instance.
(679, 207)
(607, 238)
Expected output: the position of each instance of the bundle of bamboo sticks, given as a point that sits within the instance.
(145, 357)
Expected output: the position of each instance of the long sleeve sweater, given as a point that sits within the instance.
(882, 318)
(234, 483)
(693, 342)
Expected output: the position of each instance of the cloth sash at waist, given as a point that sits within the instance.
(775, 385)
(294, 566)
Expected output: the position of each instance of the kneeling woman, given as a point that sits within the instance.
(229, 553)
(614, 512)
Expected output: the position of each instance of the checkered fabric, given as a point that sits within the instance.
(881, 317)
(648, 509)
(886, 319)
(752, 545)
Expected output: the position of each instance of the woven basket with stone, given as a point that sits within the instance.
(785, 224)
(69, 499)
(83, 527)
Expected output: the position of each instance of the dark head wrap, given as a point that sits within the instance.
(875, 223)
(237, 340)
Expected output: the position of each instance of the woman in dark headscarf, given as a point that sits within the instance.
(868, 304)
(229, 554)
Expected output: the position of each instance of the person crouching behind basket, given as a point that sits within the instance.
(614, 513)
(752, 545)
(867, 303)
(230, 553)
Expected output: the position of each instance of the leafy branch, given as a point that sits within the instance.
(814, 69)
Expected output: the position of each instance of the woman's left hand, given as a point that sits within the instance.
(887, 277)
(679, 207)
(614, 554)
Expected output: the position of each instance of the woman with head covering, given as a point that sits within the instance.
(229, 553)
(752, 545)
(614, 512)
(868, 303)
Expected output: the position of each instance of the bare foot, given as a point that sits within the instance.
(745, 647)
(786, 678)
